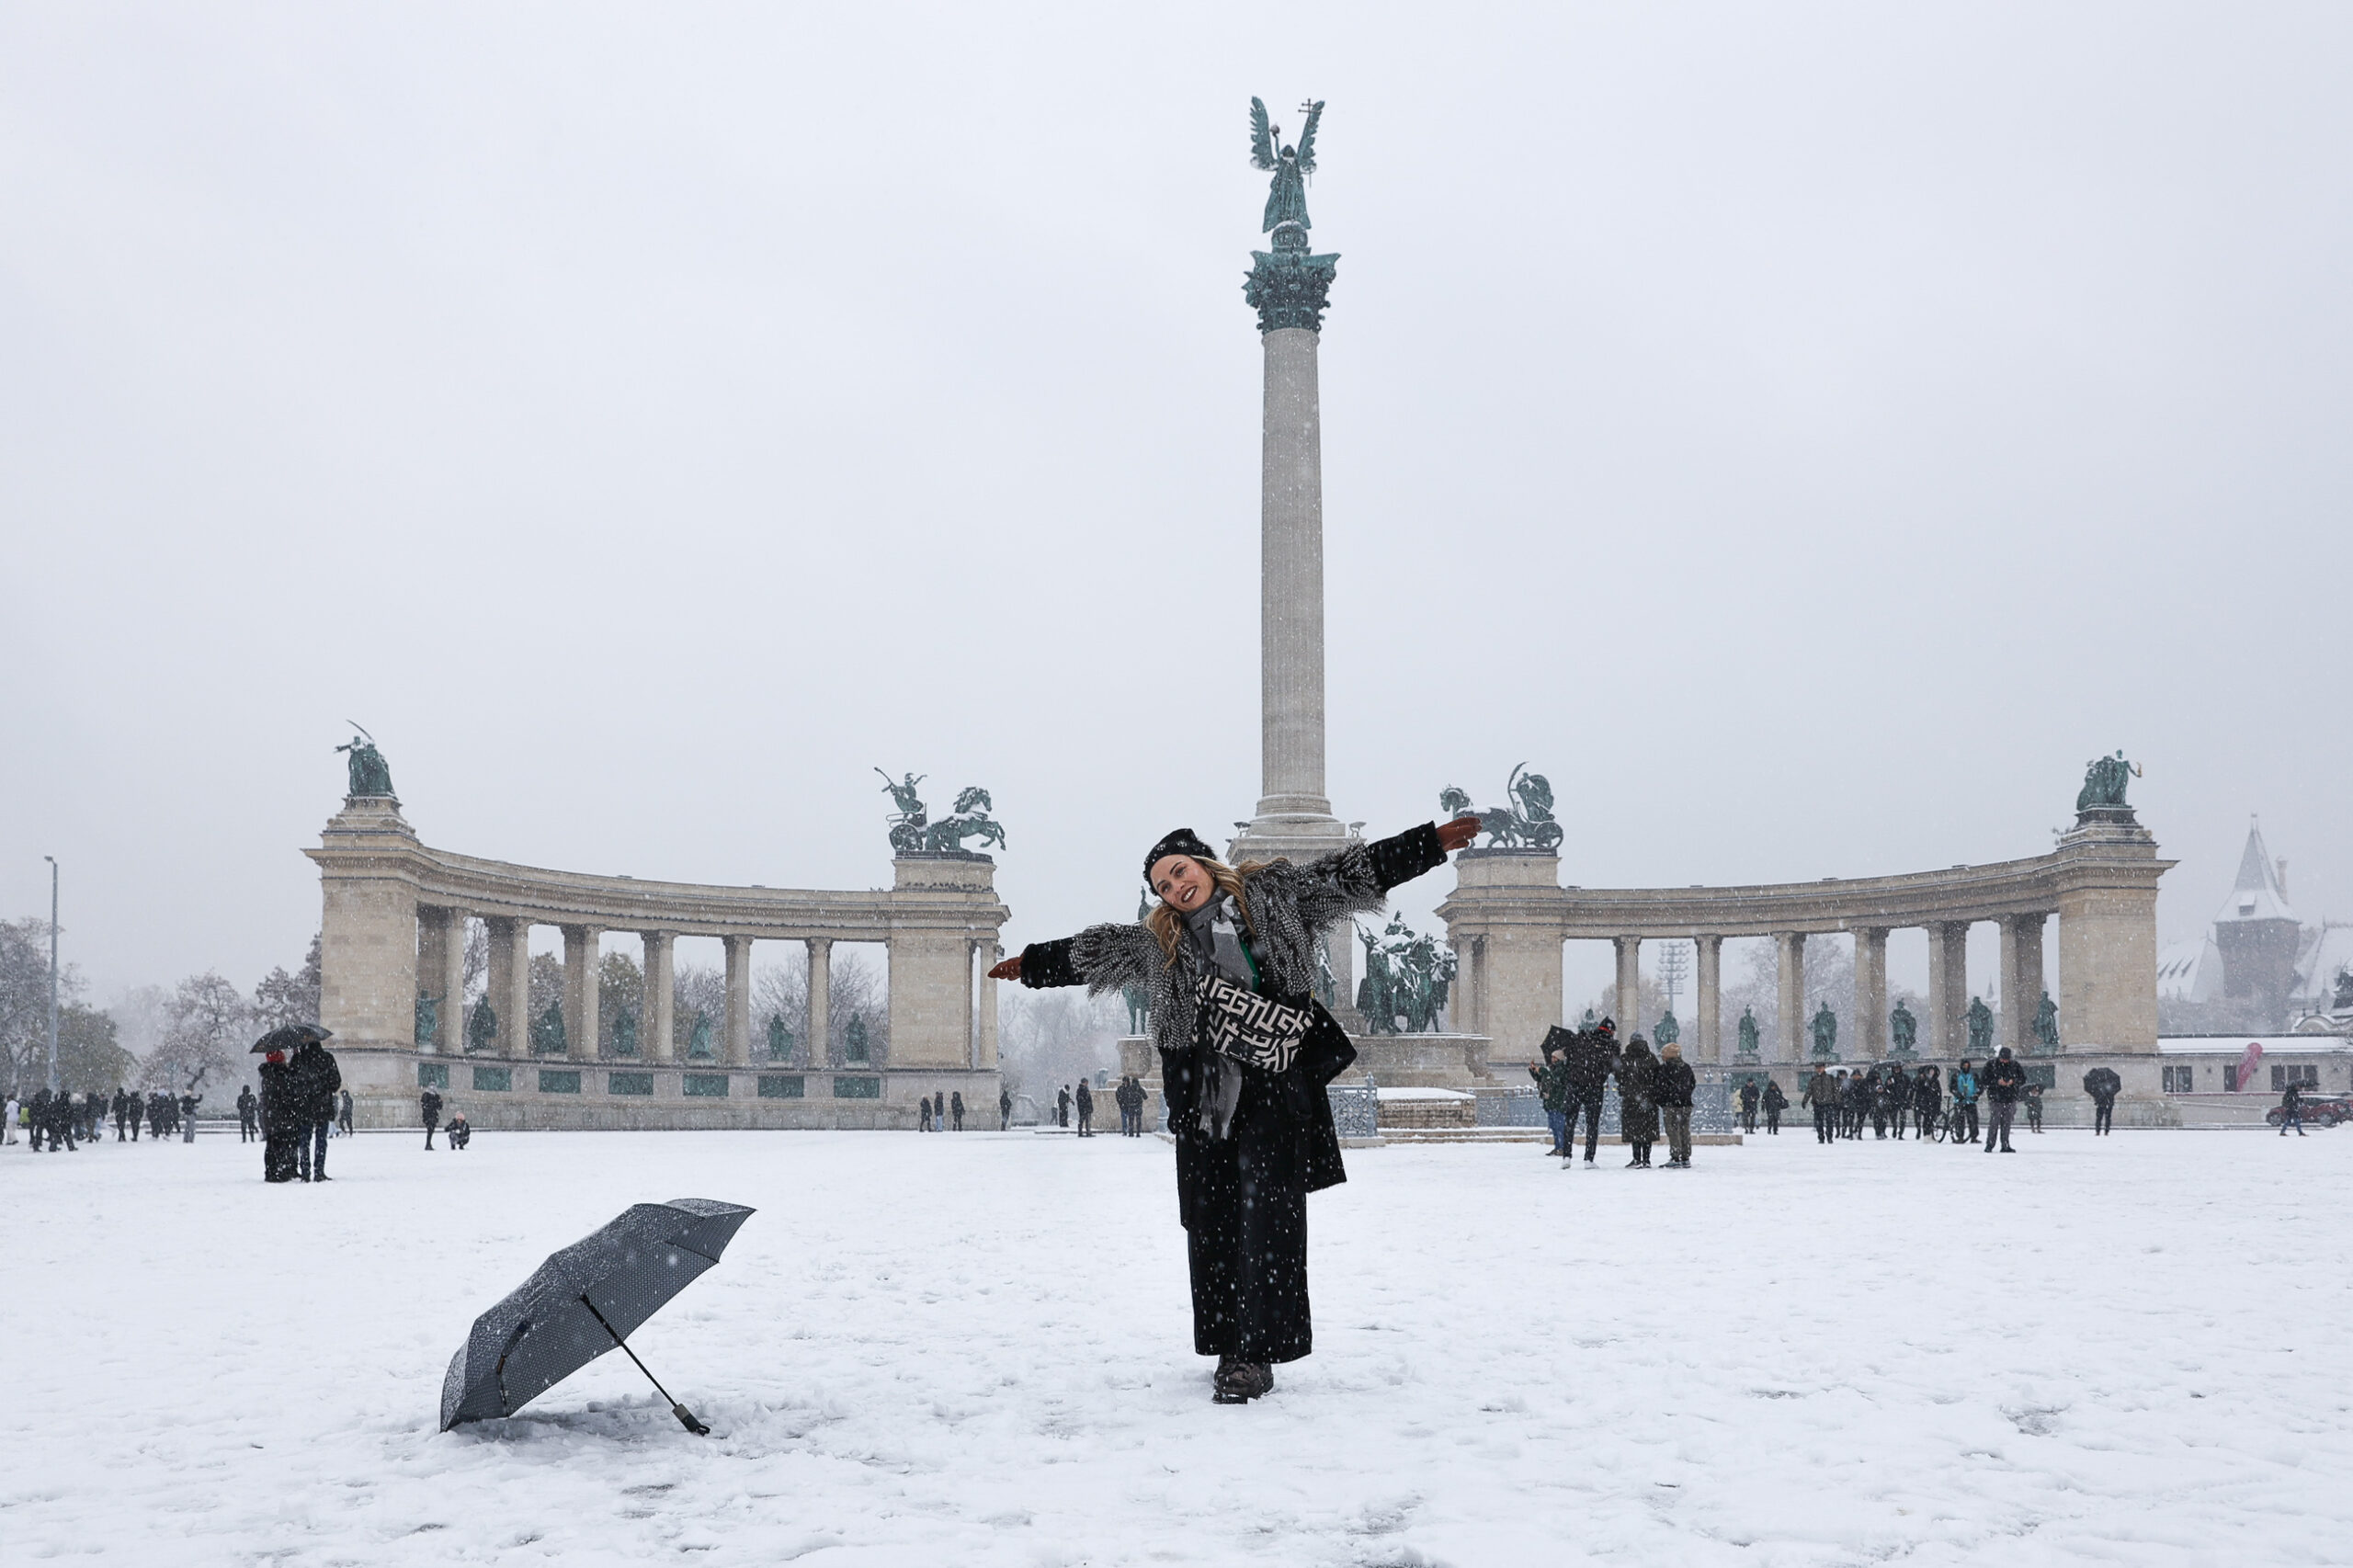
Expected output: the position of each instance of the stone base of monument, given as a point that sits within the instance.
(554, 1093)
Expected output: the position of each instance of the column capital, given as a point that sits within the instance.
(1288, 287)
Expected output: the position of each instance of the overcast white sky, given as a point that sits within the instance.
(1805, 433)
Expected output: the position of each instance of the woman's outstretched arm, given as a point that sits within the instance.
(1101, 958)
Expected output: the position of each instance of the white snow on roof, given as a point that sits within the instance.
(2190, 970)
(1425, 1095)
(2234, 1046)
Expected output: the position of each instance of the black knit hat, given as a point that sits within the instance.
(1182, 841)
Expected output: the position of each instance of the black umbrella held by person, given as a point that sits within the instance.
(1228, 959)
(582, 1302)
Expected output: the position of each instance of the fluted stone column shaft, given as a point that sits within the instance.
(820, 981)
(739, 1001)
(1947, 988)
(2021, 980)
(1870, 991)
(432, 938)
(661, 995)
(1790, 1041)
(510, 984)
(990, 954)
(581, 983)
(1709, 1006)
(1630, 986)
(1290, 581)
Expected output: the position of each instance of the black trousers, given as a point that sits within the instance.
(1965, 1116)
(2103, 1116)
(1773, 1121)
(1826, 1123)
(1997, 1132)
(1588, 1107)
(277, 1153)
(1748, 1119)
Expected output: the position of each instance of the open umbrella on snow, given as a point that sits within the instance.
(584, 1301)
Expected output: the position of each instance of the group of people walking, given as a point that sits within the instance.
(62, 1121)
(1653, 1093)
(942, 1113)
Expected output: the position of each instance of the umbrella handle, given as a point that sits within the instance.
(686, 1417)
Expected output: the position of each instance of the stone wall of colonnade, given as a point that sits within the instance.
(1509, 916)
(393, 928)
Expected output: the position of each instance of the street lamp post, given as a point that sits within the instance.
(53, 971)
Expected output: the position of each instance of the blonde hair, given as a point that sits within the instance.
(1165, 923)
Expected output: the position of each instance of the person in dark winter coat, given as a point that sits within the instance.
(316, 1082)
(1672, 1087)
(2032, 1100)
(1898, 1085)
(2005, 1082)
(1229, 962)
(2103, 1085)
(1005, 1110)
(281, 1117)
(2291, 1108)
(125, 1115)
(1062, 1106)
(1927, 1098)
(1748, 1099)
(1822, 1094)
(956, 1109)
(428, 1105)
(461, 1131)
(188, 1117)
(1553, 1090)
(1085, 1111)
(1637, 1101)
(248, 1114)
(1775, 1102)
(1591, 1057)
(343, 1113)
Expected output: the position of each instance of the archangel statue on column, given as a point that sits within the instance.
(1287, 202)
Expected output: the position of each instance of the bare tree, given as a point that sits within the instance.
(1047, 1038)
(283, 998)
(205, 1027)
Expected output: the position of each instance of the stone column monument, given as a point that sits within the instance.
(1289, 287)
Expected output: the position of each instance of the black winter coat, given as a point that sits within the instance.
(1774, 1099)
(1672, 1083)
(281, 1108)
(1637, 1104)
(1288, 1115)
(315, 1080)
(1591, 1060)
(2005, 1080)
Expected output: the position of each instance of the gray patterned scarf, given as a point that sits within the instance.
(1214, 935)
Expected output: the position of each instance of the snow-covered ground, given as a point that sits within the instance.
(973, 1350)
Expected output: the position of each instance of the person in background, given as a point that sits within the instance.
(1748, 1099)
(922, 1114)
(1775, 1102)
(2291, 1108)
(9, 1126)
(1897, 1089)
(1927, 1098)
(1004, 1109)
(1638, 1100)
(2033, 1099)
(343, 1113)
(1085, 1111)
(460, 1132)
(281, 1119)
(428, 1105)
(316, 1080)
(188, 1117)
(2005, 1080)
(1061, 1108)
(1552, 1093)
(956, 1109)
(248, 1114)
(1822, 1094)
(1591, 1056)
(1672, 1085)
(1965, 1090)
(2103, 1085)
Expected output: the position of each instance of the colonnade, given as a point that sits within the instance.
(1508, 917)
(393, 930)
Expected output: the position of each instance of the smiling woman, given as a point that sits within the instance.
(1228, 958)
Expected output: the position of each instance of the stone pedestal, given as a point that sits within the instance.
(933, 1019)
(1506, 935)
(2108, 937)
(367, 947)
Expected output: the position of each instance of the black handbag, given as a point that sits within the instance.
(1255, 1030)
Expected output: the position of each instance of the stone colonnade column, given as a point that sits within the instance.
(739, 1001)
(1947, 988)
(820, 981)
(1789, 949)
(510, 983)
(991, 952)
(1870, 991)
(580, 992)
(1630, 986)
(661, 968)
(441, 973)
(1711, 1003)
(2021, 980)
